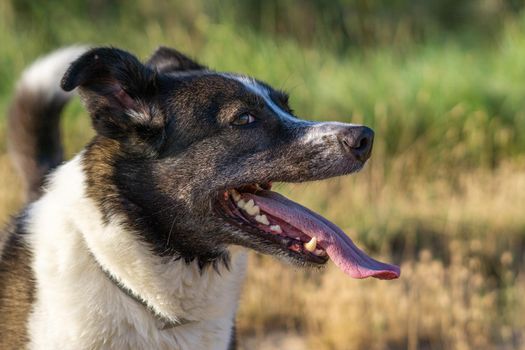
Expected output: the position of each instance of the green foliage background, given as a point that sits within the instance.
(440, 80)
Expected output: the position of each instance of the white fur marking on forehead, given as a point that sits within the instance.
(318, 131)
(262, 92)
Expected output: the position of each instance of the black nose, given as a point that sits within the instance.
(357, 140)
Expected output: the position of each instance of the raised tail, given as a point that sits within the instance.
(34, 140)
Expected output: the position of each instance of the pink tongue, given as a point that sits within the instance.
(340, 248)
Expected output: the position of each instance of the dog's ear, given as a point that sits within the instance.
(117, 89)
(166, 60)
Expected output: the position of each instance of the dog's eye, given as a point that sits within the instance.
(243, 119)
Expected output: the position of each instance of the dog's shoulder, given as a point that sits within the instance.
(16, 286)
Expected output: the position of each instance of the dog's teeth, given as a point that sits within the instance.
(319, 252)
(255, 210)
(276, 228)
(241, 204)
(249, 204)
(310, 246)
(262, 219)
(236, 195)
(251, 208)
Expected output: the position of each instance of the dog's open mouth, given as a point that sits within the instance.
(299, 230)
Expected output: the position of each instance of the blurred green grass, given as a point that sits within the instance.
(437, 103)
(444, 193)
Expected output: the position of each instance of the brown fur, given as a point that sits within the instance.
(16, 292)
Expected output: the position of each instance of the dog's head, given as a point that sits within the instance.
(189, 155)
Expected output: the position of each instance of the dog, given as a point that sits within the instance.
(140, 241)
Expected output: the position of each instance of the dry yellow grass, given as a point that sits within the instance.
(433, 305)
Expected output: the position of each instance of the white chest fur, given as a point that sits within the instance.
(78, 307)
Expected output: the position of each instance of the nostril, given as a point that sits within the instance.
(358, 142)
(362, 144)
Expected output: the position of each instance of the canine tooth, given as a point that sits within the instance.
(276, 228)
(236, 195)
(310, 246)
(262, 219)
(241, 204)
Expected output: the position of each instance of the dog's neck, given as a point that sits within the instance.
(129, 186)
(164, 322)
(72, 242)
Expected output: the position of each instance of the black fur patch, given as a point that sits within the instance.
(233, 338)
(167, 60)
(118, 91)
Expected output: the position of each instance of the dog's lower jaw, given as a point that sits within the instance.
(78, 307)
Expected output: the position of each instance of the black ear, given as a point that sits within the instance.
(166, 60)
(115, 86)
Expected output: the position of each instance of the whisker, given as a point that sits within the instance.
(171, 230)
